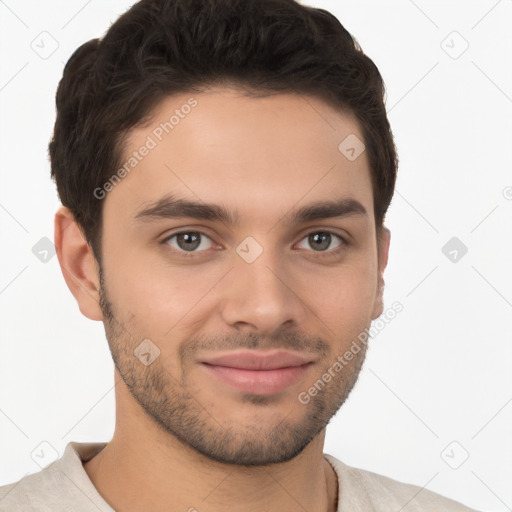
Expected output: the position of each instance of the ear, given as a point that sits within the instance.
(383, 241)
(78, 265)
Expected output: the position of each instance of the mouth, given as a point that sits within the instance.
(258, 372)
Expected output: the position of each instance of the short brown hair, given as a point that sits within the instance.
(163, 47)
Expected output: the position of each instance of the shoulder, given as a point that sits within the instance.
(62, 485)
(383, 493)
(32, 492)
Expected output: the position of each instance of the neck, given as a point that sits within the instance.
(144, 467)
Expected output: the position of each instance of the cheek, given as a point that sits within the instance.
(163, 298)
(343, 298)
(157, 295)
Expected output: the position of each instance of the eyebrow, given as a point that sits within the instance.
(171, 207)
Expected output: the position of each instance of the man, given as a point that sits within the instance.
(254, 132)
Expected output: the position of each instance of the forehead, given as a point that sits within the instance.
(258, 156)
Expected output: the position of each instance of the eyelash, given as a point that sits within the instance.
(317, 254)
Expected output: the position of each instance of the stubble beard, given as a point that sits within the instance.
(175, 408)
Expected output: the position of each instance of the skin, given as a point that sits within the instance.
(182, 436)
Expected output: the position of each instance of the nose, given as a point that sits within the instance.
(262, 296)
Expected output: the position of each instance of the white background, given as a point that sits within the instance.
(438, 373)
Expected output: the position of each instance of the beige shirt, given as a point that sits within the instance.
(64, 486)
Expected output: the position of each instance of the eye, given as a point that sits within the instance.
(321, 241)
(188, 241)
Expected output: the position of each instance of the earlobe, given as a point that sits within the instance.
(382, 252)
(77, 262)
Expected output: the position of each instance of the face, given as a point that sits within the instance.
(239, 261)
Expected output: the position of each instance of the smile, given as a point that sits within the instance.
(258, 373)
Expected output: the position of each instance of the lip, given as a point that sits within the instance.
(258, 372)
(259, 360)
